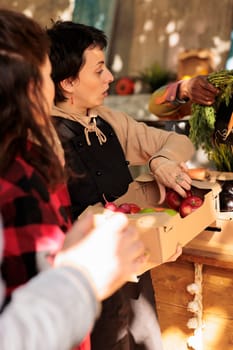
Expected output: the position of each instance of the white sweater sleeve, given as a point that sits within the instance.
(54, 311)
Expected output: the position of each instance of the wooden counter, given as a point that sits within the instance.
(214, 251)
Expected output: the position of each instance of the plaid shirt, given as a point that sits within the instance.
(35, 221)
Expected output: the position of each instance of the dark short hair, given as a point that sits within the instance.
(69, 40)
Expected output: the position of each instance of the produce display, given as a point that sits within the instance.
(161, 227)
(174, 202)
(132, 208)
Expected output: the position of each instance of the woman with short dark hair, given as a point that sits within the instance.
(99, 145)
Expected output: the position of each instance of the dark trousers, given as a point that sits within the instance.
(128, 320)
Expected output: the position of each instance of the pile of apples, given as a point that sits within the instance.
(184, 206)
(127, 208)
(174, 202)
(132, 208)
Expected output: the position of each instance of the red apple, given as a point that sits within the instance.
(110, 205)
(185, 209)
(173, 199)
(188, 193)
(128, 208)
(124, 86)
(124, 208)
(189, 204)
(134, 208)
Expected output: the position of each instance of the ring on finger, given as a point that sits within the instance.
(179, 178)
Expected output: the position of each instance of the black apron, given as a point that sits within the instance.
(96, 170)
(128, 319)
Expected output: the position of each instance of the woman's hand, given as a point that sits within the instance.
(198, 90)
(172, 175)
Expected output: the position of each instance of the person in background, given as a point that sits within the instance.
(173, 101)
(99, 146)
(34, 201)
(49, 310)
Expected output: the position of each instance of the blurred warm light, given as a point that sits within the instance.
(142, 38)
(173, 338)
(29, 11)
(117, 64)
(186, 77)
(170, 28)
(174, 39)
(214, 328)
(148, 25)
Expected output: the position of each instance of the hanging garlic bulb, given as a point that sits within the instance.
(195, 306)
(193, 288)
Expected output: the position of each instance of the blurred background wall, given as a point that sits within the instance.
(142, 32)
(42, 10)
(153, 30)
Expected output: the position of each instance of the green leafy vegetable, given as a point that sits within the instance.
(202, 122)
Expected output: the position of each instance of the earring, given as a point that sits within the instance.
(71, 99)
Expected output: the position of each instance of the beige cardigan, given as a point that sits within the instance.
(141, 142)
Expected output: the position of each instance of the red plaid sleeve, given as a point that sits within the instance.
(35, 221)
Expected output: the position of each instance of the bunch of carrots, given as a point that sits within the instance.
(202, 122)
